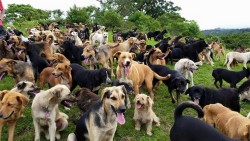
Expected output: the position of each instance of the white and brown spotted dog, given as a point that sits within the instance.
(136, 74)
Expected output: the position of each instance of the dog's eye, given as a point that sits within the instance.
(124, 57)
(123, 96)
(9, 104)
(113, 98)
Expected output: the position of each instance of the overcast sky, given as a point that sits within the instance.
(208, 14)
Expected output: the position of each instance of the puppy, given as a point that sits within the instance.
(11, 108)
(136, 74)
(230, 123)
(27, 88)
(186, 67)
(109, 111)
(19, 70)
(144, 113)
(231, 77)
(188, 128)
(45, 112)
(204, 96)
(239, 57)
(61, 74)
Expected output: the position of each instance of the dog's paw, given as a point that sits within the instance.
(137, 128)
(149, 133)
(158, 124)
(58, 136)
(66, 108)
(47, 136)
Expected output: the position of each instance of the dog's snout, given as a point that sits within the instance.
(127, 63)
(122, 109)
(53, 73)
(1, 115)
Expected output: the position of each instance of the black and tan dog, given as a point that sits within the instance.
(26, 88)
(100, 121)
(19, 70)
(136, 74)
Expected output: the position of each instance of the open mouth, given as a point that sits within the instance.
(3, 117)
(57, 75)
(3, 74)
(33, 92)
(119, 116)
(67, 103)
(196, 100)
(10, 45)
(86, 60)
(161, 57)
(126, 69)
(139, 105)
(20, 52)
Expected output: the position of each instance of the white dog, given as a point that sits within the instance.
(239, 57)
(45, 112)
(78, 41)
(186, 67)
(101, 37)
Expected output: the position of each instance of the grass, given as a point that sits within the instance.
(162, 106)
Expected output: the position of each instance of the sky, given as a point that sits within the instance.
(208, 14)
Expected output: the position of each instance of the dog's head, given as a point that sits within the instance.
(196, 93)
(157, 54)
(88, 52)
(128, 86)
(211, 111)
(104, 75)
(36, 37)
(57, 58)
(179, 84)
(57, 32)
(6, 67)
(119, 39)
(247, 70)
(142, 101)
(5, 46)
(189, 65)
(27, 87)
(13, 41)
(13, 104)
(61, 94)
(124, 60)
(135, 43)
(61, 69)
(114, 100)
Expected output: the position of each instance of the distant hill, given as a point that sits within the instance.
(221, 31)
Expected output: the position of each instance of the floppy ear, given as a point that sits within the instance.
(131, 40)
(57, 93)
(68, 68)
(117, 54)
(11, 63)
(2, 94)
(77, 93)
(123, 89)
(21, 86)
(19, 40)
(105, 94)
(150, 101)
(133, 55)
(22, 100)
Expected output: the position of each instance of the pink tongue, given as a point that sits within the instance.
(138, 106)
(20, 52)
(120, 118)
(86, 61)
(126, 69)
(196, 101)
(10, 45)
(1, 76)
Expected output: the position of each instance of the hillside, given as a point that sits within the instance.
(222, 31)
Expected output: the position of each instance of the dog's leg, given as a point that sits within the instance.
(37, 130)
(229, 63)
(52, 130)
(177, 97)
(149, 127)
(220, 80)
(71, 137)
(1, 128)
(215, 83)
(172, 97)
(191, 78)
(245, 64)
(11, 130)
(137, 125)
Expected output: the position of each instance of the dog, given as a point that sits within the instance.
(186, 67)
(136, 74)
(230, 123)
(72, 52)
(239, 57)
(46, 115)
(232, 77)
(6, 50)
(56, 58)
(19, 70)
(157, 57)
(61, 74)
(27, 88)
(144, 113)
(78, 41)
(218, 49)
(10, 113)
(207, 55)
(100, 37)
(175, 82)
(109, 111)
(91, 79)
(204, 96)
(181, 130)
(244, 90)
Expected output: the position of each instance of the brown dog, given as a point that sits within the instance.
(58, 58)
(144, 113)
(11, 108)
(6, 50)
(19, 70)
(136, 74)
(61, 74)
(218, 49)
(231, 123)
(158, 58)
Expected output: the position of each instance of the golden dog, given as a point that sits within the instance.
(231, 123)
(218, 49)
(144, 113)
(11, 108)
(136, 74)
(157, 57)
(61, 74)
(58, 58)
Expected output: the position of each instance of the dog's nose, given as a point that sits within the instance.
(127, 63)
(53, 73)
(122, 109)
(1, 115)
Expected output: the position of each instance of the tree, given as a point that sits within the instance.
(56, 14)
(111, 19)
(77, 15)
(154, 8)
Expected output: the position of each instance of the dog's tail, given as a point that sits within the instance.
(181, 107)
(109, 46)
(157, 76)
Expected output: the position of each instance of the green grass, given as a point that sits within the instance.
(162, 106)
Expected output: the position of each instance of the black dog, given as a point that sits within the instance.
(188, 128)
(129, 88)
(231, 77)
(175, 82)
(160, 36)
(204, 96)
(72, 52)
(90, 79)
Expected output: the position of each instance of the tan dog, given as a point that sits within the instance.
(144, 113)
(157, 57)
(11, 108)
(218, 49)
(61, 74)
(46, 115)
(231, 123)
(19, 70)
(205, 56)
(136, 74)
(58, 58)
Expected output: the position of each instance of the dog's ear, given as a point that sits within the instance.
(117, 54)
(2, 94)
(11, 63)
(123, 89)
(150, 101)
(131, 40)
(57, 93)
(105, 94)
(19, 40)
(4, 43)
(68, 68)
(21, 85)
(22, 100)
(77, 93)
(133, 55)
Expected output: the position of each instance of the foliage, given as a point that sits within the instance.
(78, 15)
(111, 19)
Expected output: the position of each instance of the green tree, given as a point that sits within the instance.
(111, 19)
(77, 15)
